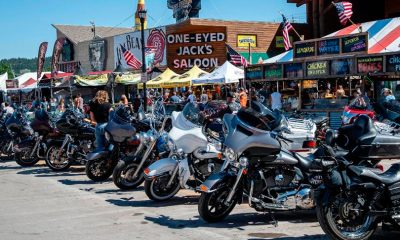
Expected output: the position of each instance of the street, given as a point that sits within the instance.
(36, 203)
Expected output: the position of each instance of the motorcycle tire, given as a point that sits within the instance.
(121, 176)
(52, 159)
(24, 160)
(325, 220)
(221, 210)
(99, 171)
(156, 191)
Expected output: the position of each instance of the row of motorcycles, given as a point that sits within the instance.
(227, 158)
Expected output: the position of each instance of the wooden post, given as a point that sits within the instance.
(321, 18)
(315, 19)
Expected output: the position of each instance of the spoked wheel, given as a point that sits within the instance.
(157, 189)
(123, 176)
(213, 206)
(344, 219)
(57, 159)
(24, 159)
(99, 170)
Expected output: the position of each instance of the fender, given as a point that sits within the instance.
(93, 156)
(161, 167)
(215, 180)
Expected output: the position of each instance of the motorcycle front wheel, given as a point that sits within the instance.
(123, 175)
(5, 153)
(212, 207)
(24, 159)
(157, 190)
(339, 220)
(100, 170)
(56, 161)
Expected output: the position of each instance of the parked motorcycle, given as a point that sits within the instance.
(77, 142)
(6, 139)
(194, 157)
(120, 134)
(354, 199)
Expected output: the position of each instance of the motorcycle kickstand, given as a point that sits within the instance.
(274, 221)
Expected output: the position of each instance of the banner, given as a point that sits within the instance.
(58, 45)
(131, 41)
(41, 59)
(92, 81)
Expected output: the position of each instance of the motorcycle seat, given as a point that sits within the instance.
(392, 175)
(361, 132)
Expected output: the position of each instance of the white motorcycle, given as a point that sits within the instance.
(194, 157)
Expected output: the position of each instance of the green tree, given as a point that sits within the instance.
(6, 68)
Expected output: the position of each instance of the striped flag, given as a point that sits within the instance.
(236, 58)
(130, 59)
(345, 11)
(287, 27)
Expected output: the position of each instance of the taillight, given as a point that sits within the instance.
(380, 167)
(310, 144)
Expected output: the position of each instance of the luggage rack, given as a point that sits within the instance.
(304, 124)
(387, 127)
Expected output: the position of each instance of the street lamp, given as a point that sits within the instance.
(142, 16)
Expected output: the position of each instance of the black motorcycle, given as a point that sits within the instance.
(76, 143)
(354, 198)
(6, 139)
(120, 134)
(273, 178)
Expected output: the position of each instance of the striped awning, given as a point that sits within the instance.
(384, 36)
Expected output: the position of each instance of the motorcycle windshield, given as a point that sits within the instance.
(191, 113)
(260, 117)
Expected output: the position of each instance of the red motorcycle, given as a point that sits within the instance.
(354, 110)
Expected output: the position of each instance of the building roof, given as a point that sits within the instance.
(77, 34)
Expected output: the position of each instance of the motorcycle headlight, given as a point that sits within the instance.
(107, 136)
(230, 154)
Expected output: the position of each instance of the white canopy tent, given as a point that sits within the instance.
(3, 79)
(225, 74)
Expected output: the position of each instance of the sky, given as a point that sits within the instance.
(27, 23)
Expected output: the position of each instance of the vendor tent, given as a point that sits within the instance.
(163, 78)
(185, 79)
(225, 74)
(3, 80)
(384, 36)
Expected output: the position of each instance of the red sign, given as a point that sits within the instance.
(370, 64)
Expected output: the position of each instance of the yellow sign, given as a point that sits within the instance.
(279, 41)
(245, 40)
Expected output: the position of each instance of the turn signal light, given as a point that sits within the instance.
(203, 188)
(147, 171)
(244, 171)
(219, 155)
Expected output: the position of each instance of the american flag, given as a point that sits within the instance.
(345, 11)
(130, 59)
(236, 58)
(287, 27)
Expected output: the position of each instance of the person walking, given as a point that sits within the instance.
(174, 98)
(79, 100)
(276, 100)
(61, 105)
(99, 112)
(45, 104)
(191, 98)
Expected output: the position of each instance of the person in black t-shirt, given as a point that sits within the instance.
(99, 111)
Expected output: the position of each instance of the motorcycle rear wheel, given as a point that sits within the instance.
(99, 171)
(157, 190)
(52, 159)
(24, 160)
(330, 224)
(122, 176)
(212, 207)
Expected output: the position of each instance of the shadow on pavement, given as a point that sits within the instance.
(10, 167)
(70, 182)
(276, 236)
(124, 202)
(120, 191)
(46, 172)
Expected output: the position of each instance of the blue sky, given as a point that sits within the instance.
(27, 23)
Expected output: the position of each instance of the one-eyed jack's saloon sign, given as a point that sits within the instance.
(204, 47)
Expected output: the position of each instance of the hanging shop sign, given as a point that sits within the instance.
(304, 49)
(254, 72)
(293, 70)
(13, 83)
(245, 40)
(393, 63)
(356, 43)
(342, 66)
(154, 38)
(189, 46)
(352, 44)
(273, 71)
(316, 69)
(98, 55)
(373, 64)
(328, 47)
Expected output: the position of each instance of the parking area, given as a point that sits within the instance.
(36, 203)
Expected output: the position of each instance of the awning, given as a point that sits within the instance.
(163, 78)
(91, 81)
(225, 74)
(384, 36)
(185, 79)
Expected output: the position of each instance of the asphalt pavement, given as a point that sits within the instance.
(36, 203)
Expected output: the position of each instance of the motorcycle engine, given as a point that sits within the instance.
(86, 146)
(270, 178)
(205, 167)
